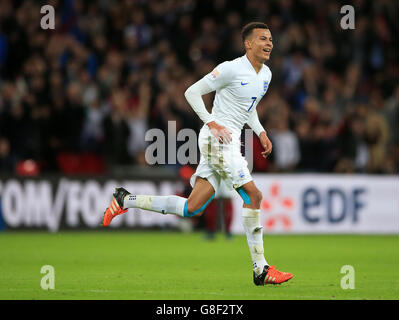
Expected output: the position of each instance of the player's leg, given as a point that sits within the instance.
(253, 195)
(123, 200)
(262, 273)
(202, 194)
(194, 205)
(251, 221)
(199, 198)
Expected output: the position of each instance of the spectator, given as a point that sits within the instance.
(285, 145)
(391, 110)
(6, 161)
(116, 131)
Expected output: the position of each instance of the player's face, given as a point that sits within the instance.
(260, 43)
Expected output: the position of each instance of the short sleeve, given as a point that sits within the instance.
(220, 76)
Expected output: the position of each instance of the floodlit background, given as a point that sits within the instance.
(76, 103)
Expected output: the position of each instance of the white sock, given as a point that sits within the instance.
(161, 204)
(254, 232)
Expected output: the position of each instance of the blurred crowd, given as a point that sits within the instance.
(113, 69)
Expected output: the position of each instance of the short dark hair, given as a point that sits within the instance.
(247, 29)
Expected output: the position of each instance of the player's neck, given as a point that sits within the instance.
(256, 64)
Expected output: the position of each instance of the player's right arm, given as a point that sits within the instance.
(211, 82)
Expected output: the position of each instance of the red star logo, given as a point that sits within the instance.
(277, 208)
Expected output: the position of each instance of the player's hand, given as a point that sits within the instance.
(222, 134)
(266, 144)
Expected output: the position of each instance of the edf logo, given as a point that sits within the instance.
(334, 204)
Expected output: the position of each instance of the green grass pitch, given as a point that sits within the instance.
(143, 265)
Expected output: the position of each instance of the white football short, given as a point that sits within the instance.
(221, 162)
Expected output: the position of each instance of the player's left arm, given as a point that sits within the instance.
(255, 125)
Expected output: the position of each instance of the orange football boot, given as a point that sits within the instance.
(271, 275)
(116, 206)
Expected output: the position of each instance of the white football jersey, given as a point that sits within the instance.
(238, 91)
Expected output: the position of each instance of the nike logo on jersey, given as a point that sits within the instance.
(244, 83)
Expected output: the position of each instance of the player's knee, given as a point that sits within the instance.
(194, 209)
(256, 198)
(193, 206)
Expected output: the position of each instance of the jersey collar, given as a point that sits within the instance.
(250, 64)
